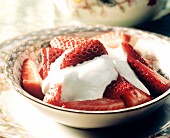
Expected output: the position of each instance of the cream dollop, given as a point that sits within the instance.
(123, 68)
(156, 51)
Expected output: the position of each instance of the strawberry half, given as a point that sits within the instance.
(67, 42)
(133, 97)
(53, 96)
(154, 82)
(84, 52)
(61, 43)
(109, 39)
(102, 104)
(41, 73)
(133, 53)
(49, 55)
(116, 88)
(122, 89)
(31, 80)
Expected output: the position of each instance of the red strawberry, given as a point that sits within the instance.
(108, 39)
(31, 80)
(67, 42)
(53, 96)
(44, 63)
(134, 97)
(41, 72)
(116, 88)
(122, 89)
(102, 104)
(49, 55)
(155, 83)
(82, 49)
(133, 53)
(84, 52)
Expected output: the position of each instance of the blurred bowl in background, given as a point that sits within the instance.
(109, 12)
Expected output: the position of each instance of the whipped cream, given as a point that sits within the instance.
(116, 53)
(123, 68)
(84, 81)
(155, 50)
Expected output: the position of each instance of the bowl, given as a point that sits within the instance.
(87, 119)
(111, 12)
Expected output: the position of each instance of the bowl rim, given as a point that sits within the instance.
(76, 29)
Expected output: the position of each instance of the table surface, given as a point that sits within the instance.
(20, 17)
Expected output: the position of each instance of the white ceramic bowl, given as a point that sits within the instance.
(111, 12)
(76, 118)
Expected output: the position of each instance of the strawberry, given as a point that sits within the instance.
(44, 71)
(109, 39)
(41, 72)
(84, 52)
(134, 97)
(81, 49)
(30, 79)
(101, 104)
(154, 82)
(133, 53)
(116, 88)
(120, 87)
(67, 42)
(53, 96)
(61, 43)
(49, 55)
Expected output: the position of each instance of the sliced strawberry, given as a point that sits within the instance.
(122, 89)
(31, 80)
(44, 63)
(84, 52)
(49, 55)
(67, 42)
(102, 104)
(116, 88)
(109, 39)
(53, 96)
(155, 83)
(134, 97)
(133, 53)
(41, 73)
(81, 49)
(58, 45)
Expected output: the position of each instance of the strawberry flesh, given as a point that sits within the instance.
(49, 55)
(101, 104)
(133, 53)
(116, 88)
(134, 97)
(53, 96)
(154, 82)
(67, 42)
(31, 80)
(41, 73)
(122, 89)
(84, 52)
